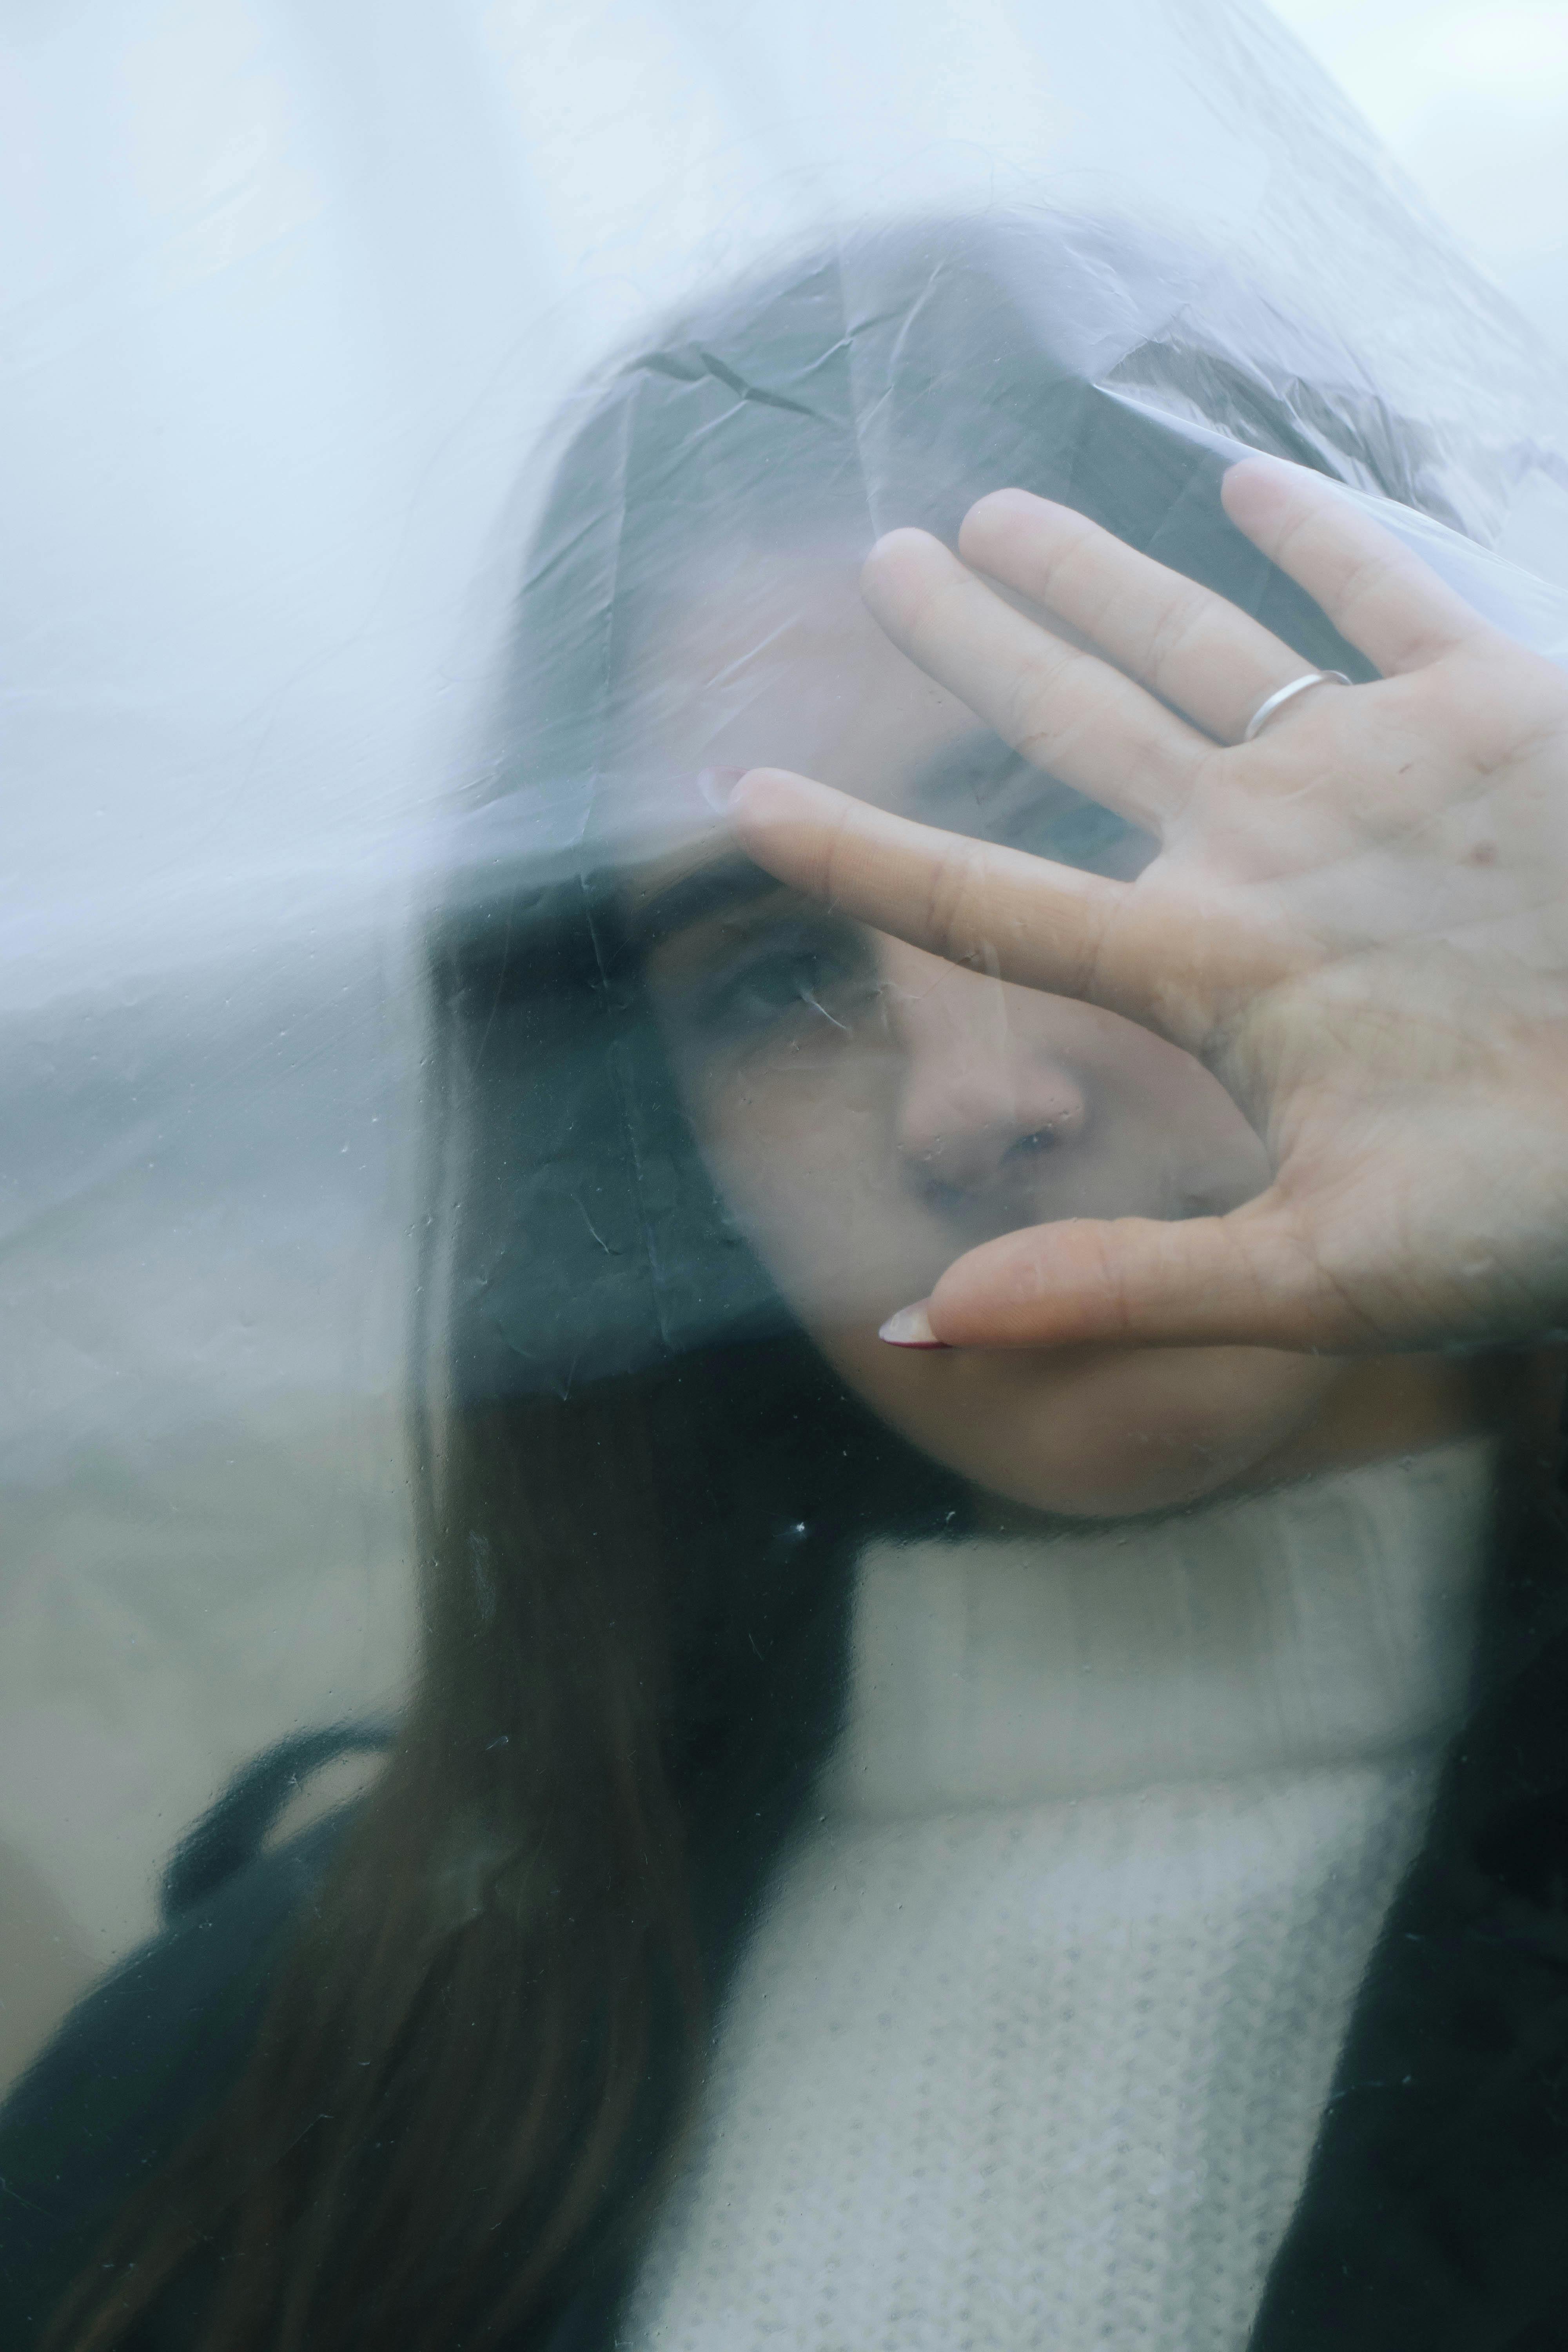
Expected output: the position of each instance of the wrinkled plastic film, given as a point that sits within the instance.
(388, 393)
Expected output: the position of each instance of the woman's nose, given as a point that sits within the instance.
(982, 1094)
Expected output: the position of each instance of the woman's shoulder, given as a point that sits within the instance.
(148, 2053)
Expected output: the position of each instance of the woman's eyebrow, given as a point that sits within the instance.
(697, 897)
(973, 761)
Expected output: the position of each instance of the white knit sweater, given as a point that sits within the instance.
(1030, 2044)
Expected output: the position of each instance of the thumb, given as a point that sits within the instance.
(1249, 1279)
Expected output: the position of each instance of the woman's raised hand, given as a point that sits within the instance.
(1359, 922)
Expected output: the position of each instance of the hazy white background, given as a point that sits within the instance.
(1472, 96)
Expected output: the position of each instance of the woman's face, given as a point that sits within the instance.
(870, 1112)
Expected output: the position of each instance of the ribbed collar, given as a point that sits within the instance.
(1327, 1623)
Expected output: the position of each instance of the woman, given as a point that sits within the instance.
(696, 1537)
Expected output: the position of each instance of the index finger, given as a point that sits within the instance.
(1019, 917)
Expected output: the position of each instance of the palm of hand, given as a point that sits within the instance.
(1359, 922)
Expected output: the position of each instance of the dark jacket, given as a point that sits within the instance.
(149, 2053)
(1435, 2209)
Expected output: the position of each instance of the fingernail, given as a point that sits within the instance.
(910, 1327)
(717, 785)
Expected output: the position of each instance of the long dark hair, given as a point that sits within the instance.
(640, 1490)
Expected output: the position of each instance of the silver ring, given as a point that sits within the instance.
(1277, 702)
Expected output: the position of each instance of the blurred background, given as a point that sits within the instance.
(1472, 99)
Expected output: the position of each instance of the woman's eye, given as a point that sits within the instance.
(825, 979)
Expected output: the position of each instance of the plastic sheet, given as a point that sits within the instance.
(440, 439)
